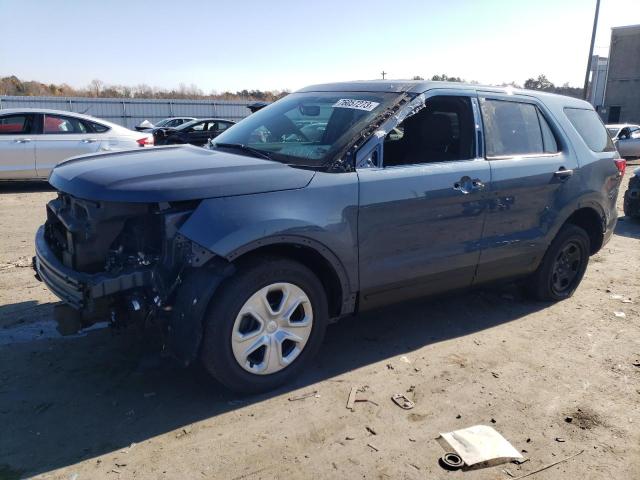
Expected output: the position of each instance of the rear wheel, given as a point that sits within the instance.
(562, 267)
(264, 325)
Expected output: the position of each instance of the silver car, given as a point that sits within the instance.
(626, 137)
(33, 141)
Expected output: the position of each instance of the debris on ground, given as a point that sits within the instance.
(373, 447)
(351, 401)
(479, 446)
(305, 395)
(371, 430)
(560, 440)
(546, 467)
(402, 401)
(451, 461)
(619, 314)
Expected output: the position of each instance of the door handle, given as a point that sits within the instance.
(466, 185)
(563, 173)
(89, 140)
(23, 140)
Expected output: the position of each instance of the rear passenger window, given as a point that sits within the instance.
(591, 129)
(57, 124)
(515, 128)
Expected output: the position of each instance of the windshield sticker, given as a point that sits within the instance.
(365, 105)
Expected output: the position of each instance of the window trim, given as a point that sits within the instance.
(541, 110)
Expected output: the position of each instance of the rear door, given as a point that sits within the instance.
(531, 175)
(17, 146)
(63, 137)
(422, 207)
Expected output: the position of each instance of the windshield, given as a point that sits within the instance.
(307, 128)
(163, 122)
(613, 132)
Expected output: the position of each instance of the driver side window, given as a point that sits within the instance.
(442, 131)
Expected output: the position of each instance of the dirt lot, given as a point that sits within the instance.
(106, 405)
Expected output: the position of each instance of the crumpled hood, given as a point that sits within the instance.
(166, 174)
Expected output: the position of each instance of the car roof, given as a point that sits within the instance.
(420, 86)
(59, 112)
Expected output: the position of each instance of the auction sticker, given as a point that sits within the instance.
(365, 105)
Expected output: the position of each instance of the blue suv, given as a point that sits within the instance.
(333, 200)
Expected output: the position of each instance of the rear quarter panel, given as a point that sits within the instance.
(597, 182)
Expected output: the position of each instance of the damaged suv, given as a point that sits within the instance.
(333, 200)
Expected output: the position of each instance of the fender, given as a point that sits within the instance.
(322, 216)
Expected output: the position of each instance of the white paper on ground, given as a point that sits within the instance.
(479, 444)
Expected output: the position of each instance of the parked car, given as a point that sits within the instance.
(33, 141)
(626, 138)
(632, 196)
(246, 252)
(172, 122)
(197, 132)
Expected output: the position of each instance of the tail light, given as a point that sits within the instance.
(145, 142)
(621, 165)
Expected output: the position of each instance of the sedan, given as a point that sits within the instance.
(172, 122)
(626, 138)
(33, 141)
(196, 132)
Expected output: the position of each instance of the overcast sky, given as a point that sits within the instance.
(274, 44)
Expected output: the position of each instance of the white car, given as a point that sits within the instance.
(626, 137)
(33, 141)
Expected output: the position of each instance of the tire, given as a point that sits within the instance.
(557, 278)
(282, 283)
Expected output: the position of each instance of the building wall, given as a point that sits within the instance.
(130, 112)
(623, 79)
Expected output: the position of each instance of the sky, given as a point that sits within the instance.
(287, 44)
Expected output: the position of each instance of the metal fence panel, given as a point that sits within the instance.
(129, 112)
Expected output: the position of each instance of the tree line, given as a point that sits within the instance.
(96, 88)
(541, 82)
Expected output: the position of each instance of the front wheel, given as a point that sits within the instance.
(264, 325)
(562, 267)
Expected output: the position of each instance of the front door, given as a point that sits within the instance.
(532, 171)
(17, 147)
(62, 138)
(422, 208)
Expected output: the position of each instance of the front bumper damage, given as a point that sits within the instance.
(82, 290)
(172, 290)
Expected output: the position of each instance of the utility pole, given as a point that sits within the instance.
(593, 39)
(384, 73)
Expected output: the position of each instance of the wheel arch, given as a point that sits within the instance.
(315, 256)
(591, 221)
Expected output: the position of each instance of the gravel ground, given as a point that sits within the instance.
(107, 405)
